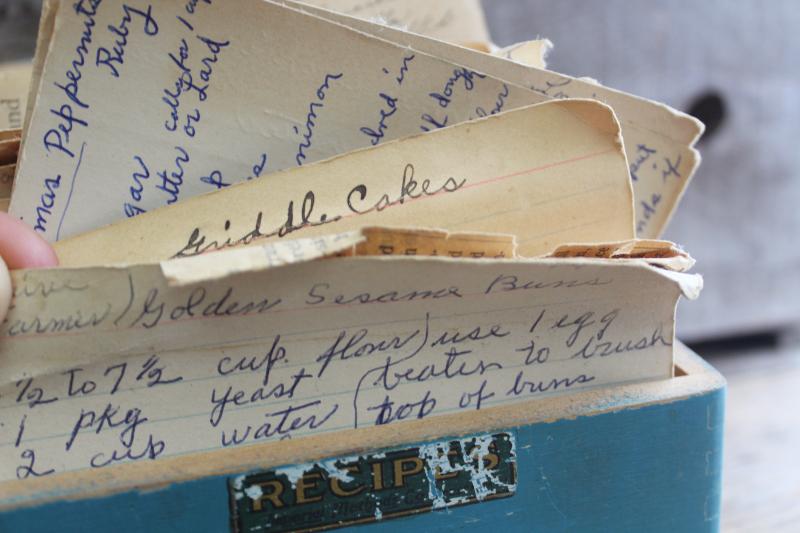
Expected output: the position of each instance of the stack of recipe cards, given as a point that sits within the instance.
(276, 221)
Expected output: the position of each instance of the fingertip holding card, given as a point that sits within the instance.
(22, 247)
(5, 290)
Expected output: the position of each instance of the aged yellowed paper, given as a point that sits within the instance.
(106, 365)
(456, 21)
(393, 241)
(211, 97)
(549, 174)
(529, 53)
(659, 141)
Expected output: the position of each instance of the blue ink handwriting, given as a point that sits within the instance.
(114, 58)
(311, 116)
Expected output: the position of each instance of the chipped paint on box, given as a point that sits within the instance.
(357, 489)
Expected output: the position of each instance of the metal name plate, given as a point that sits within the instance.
(349, 490)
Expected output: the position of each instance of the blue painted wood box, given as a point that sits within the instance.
(636, 457)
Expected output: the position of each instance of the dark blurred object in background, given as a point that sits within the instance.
(19, 23)
(735, 65)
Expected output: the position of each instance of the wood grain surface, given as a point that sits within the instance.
(761, 465)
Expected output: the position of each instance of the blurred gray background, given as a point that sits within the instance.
(19, 22)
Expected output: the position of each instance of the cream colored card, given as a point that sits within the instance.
(659, 141)
(193, 102)
(106, 365)
(14, 81)
(456, 21)
(564, 180)
(529, 53)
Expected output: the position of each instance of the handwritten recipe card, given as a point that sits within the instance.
(536, 183)
(141, 367)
